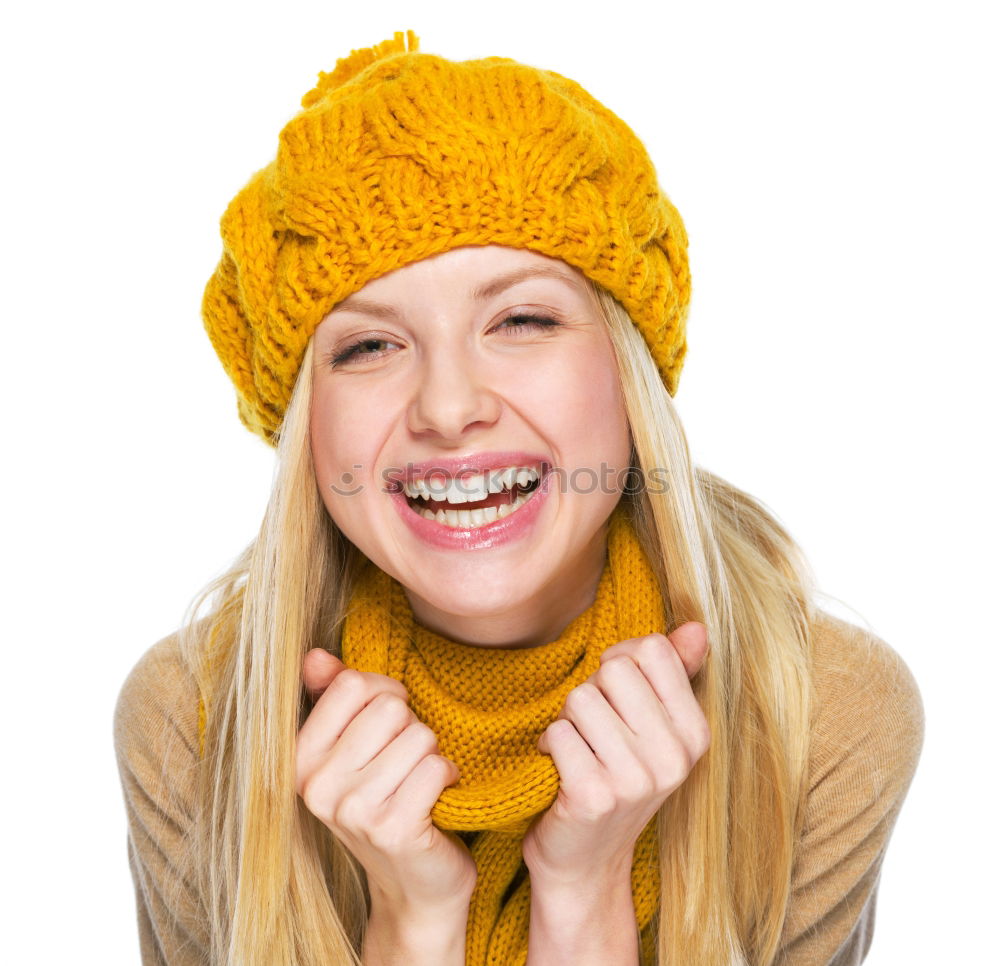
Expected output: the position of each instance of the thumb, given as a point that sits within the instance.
(319, 668)
(690, 641)
(543, 743)
(455, 774)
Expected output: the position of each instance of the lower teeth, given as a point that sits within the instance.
(463, 519)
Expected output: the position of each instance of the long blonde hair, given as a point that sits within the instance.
(280, 891)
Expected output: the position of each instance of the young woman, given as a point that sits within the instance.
(503, 678)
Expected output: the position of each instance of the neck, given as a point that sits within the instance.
(538, 620)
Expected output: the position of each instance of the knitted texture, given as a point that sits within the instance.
(399, 155)
(488, 707)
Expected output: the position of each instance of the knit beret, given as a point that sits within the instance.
(398, 155)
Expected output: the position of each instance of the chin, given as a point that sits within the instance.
(474, 596)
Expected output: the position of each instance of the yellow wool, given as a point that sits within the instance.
(399, 155)
(488, 707)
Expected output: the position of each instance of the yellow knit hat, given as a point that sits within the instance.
(399, 155)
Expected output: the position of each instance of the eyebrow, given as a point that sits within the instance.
(479, 294)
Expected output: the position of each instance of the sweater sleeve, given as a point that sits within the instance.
(156, 743)
(868, 728)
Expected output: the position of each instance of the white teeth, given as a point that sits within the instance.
(438, 490)
(449, 493)
(469, 488)
(465, 519)
(494, 481)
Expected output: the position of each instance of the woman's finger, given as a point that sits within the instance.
(346, 695)
(391, 767)
(599, 725)
(690, 640)
(628, 691)
(660, 664)
(370, 732)
(690, 643)
(319, 668)
(573, 757)
(422, 787)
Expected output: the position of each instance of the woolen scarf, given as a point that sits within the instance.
(488, 707)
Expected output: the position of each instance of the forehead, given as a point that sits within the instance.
(475, 273)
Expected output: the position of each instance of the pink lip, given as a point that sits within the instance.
(488, 535)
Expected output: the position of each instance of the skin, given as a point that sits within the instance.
(455, 379)
(449, 376)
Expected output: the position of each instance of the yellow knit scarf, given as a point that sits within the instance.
(488, 707)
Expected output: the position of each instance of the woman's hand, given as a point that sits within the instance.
(371, 772)
(625, 739)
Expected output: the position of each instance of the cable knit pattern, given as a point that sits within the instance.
(399, 155)
(488, 708)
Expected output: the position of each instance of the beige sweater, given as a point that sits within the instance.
(866, 739)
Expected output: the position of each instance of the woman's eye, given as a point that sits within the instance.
(528, 322)
(361, 351)
(366, 350)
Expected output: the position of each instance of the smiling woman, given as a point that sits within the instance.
(459, 395)
(504, 678)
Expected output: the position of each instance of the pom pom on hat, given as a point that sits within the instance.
(357, 61)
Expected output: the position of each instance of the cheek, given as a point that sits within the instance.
(342, 433)
(587, 403)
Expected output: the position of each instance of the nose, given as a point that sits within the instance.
(451, 398)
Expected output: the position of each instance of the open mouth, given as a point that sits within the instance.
(474, 500)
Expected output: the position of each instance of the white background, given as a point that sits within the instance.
(836, 166)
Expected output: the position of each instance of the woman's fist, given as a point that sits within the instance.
(625, 740)
(370, 771)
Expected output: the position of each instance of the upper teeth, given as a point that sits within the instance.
(470, 487)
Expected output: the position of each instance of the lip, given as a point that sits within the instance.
(456, 467)
(495, 534)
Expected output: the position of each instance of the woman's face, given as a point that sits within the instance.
(431, 385)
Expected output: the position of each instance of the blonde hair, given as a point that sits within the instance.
(279, 889)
